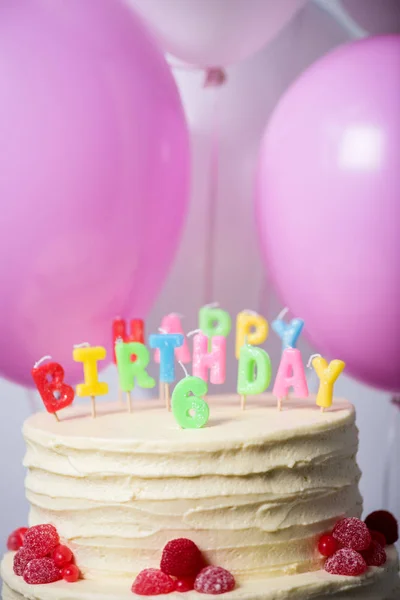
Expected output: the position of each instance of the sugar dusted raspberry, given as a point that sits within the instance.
(62, 555)
(21, 559)
(152, 582)
(184, 585)
(16, 539)
(181, 558)
(378, 537)
(41, 540)
(41, 570)
(375, 556)
(70, 573)
(327, 545)
(384, 522)
(346, 562)
(352, 533)
(214, 580)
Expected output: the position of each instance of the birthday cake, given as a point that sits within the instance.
(254, 490)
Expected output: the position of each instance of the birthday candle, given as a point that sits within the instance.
(49, 380)
(213, 361)
(166, 343)
(130, 371)
(289, 333)
(89, 356)
(119, 332)
(190, 410)
(172, 324)
(213, 321)
(250, 327)
(290, 374)
(327, 375)
(254, 372)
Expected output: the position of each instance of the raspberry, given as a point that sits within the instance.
(62, 555)
(16, 539)
(214, 580)
(181, 558)
(378, 537)
(21, 559)
(41, 540)
(152, 582)
(346, 562)
(375, 556)
(352, 533)
(41, 570)
(184, 585)
(327, 545)
(384, 522)
(70, 573)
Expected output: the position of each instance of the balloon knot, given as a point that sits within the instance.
(215, 77)
(396, 401)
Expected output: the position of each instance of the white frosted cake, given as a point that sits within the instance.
(254, 489)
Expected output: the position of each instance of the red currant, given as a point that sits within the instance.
(62, 555)
(184, 585)
(70, 573)
(327, 545)
(16, 539)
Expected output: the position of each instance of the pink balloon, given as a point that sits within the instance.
(94, 176)
(211, 33)
(328, 206)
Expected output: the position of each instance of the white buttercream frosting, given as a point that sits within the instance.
(254, 489)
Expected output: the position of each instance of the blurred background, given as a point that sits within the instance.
(219, 257)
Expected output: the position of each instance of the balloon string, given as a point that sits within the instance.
(214, 78)
(390, 458)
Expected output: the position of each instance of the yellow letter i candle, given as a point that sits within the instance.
(89, 356)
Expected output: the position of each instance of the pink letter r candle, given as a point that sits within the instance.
(215, 361)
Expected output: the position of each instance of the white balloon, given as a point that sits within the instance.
(215, 32)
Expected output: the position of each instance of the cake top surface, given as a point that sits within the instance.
(150, 427)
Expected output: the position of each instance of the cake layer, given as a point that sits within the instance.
(253, 488)
(377, 584)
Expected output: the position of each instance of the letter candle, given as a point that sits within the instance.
(119, 332)
(327, 375)
(172, 324)
(289, 333)
(252, 327)
(213, 361)
(213, 321)
(254, 372)
(290, 374)
(130, 371)
(49, 380)
(89, 356)
(166, 343)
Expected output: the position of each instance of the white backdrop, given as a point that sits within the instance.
(236, 277)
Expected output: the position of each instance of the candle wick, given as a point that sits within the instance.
(311, 358)
(39, 362)
(82, 345)
(184, 368)
(119, 340)
(211, 305)
(249, 311)
(190, 333)
(161, 330)
(282, 313)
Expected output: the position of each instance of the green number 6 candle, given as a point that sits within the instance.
(188, 408)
